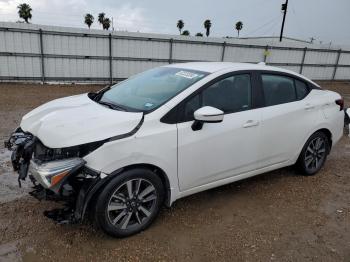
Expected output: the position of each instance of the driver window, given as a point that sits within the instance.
(232, 94)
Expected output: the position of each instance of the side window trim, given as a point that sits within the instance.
(295, 89)
(257, 93)
(176, 114)
(258, 100)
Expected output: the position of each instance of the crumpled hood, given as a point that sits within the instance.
(77, 120)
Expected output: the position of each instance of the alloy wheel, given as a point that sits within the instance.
(315, 154)
(132, 204)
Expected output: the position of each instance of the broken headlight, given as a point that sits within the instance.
(25, 146)
(52, 174)
(45, 154)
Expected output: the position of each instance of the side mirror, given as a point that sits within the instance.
(206, 114)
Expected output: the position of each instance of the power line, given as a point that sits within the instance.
(269, 29)
(262, 26)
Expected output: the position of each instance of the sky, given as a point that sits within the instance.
(324, 20)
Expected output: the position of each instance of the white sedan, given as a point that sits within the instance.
(172, 131)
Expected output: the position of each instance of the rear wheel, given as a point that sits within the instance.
(314, 153)
(129, 203)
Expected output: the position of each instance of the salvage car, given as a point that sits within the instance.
(120, 154)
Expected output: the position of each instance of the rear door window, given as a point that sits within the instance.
(278, 89)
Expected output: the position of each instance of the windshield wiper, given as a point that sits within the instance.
(111, 105)
(98, 95)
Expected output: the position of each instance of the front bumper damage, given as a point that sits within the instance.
(61, 177)
(21, 144)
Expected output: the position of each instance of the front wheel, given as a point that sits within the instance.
(314, 154)
(129, 203)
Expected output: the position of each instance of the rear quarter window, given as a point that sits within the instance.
(301, 89)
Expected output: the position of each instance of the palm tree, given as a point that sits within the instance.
(89, 19)
(101, 17)
(199, 34)
(186, 32)
(239, 26)
(180, 25)
(106, 23)
(207, 25)
(24, 11)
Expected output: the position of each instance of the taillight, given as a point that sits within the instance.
(340, 103)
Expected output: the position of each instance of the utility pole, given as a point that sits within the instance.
(284, 9)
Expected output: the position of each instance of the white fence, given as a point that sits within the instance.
(46, 53)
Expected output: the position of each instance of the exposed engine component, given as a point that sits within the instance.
(22, 145)
(58, 174)
(25, 146)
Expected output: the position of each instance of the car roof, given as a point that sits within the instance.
(212, 67)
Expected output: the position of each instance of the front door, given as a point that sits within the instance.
(219, 150)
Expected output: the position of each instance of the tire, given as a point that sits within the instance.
(314, 154)
(129, 203)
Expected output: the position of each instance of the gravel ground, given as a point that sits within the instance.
(279, 216)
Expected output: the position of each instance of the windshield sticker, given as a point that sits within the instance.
(148, 105)
(186, 74)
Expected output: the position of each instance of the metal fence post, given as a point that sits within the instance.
(302, 61)
(171, 51)
(266, 53)
(223, 51)
(336, 64)
(110, 59)
(42, 56)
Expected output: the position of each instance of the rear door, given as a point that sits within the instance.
(286, 118)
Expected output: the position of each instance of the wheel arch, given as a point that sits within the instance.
(300, 160)
(325, 130)
(328, 133)
(93, 192)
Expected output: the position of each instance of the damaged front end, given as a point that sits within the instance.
(57, 174)
(22, 145)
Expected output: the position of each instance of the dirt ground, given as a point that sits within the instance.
(279, 216)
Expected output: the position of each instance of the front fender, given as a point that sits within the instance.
(151, 146)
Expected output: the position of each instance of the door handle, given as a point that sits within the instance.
(251, 123)
(309, 106)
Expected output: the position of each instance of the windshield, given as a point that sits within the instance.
(151, 89)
